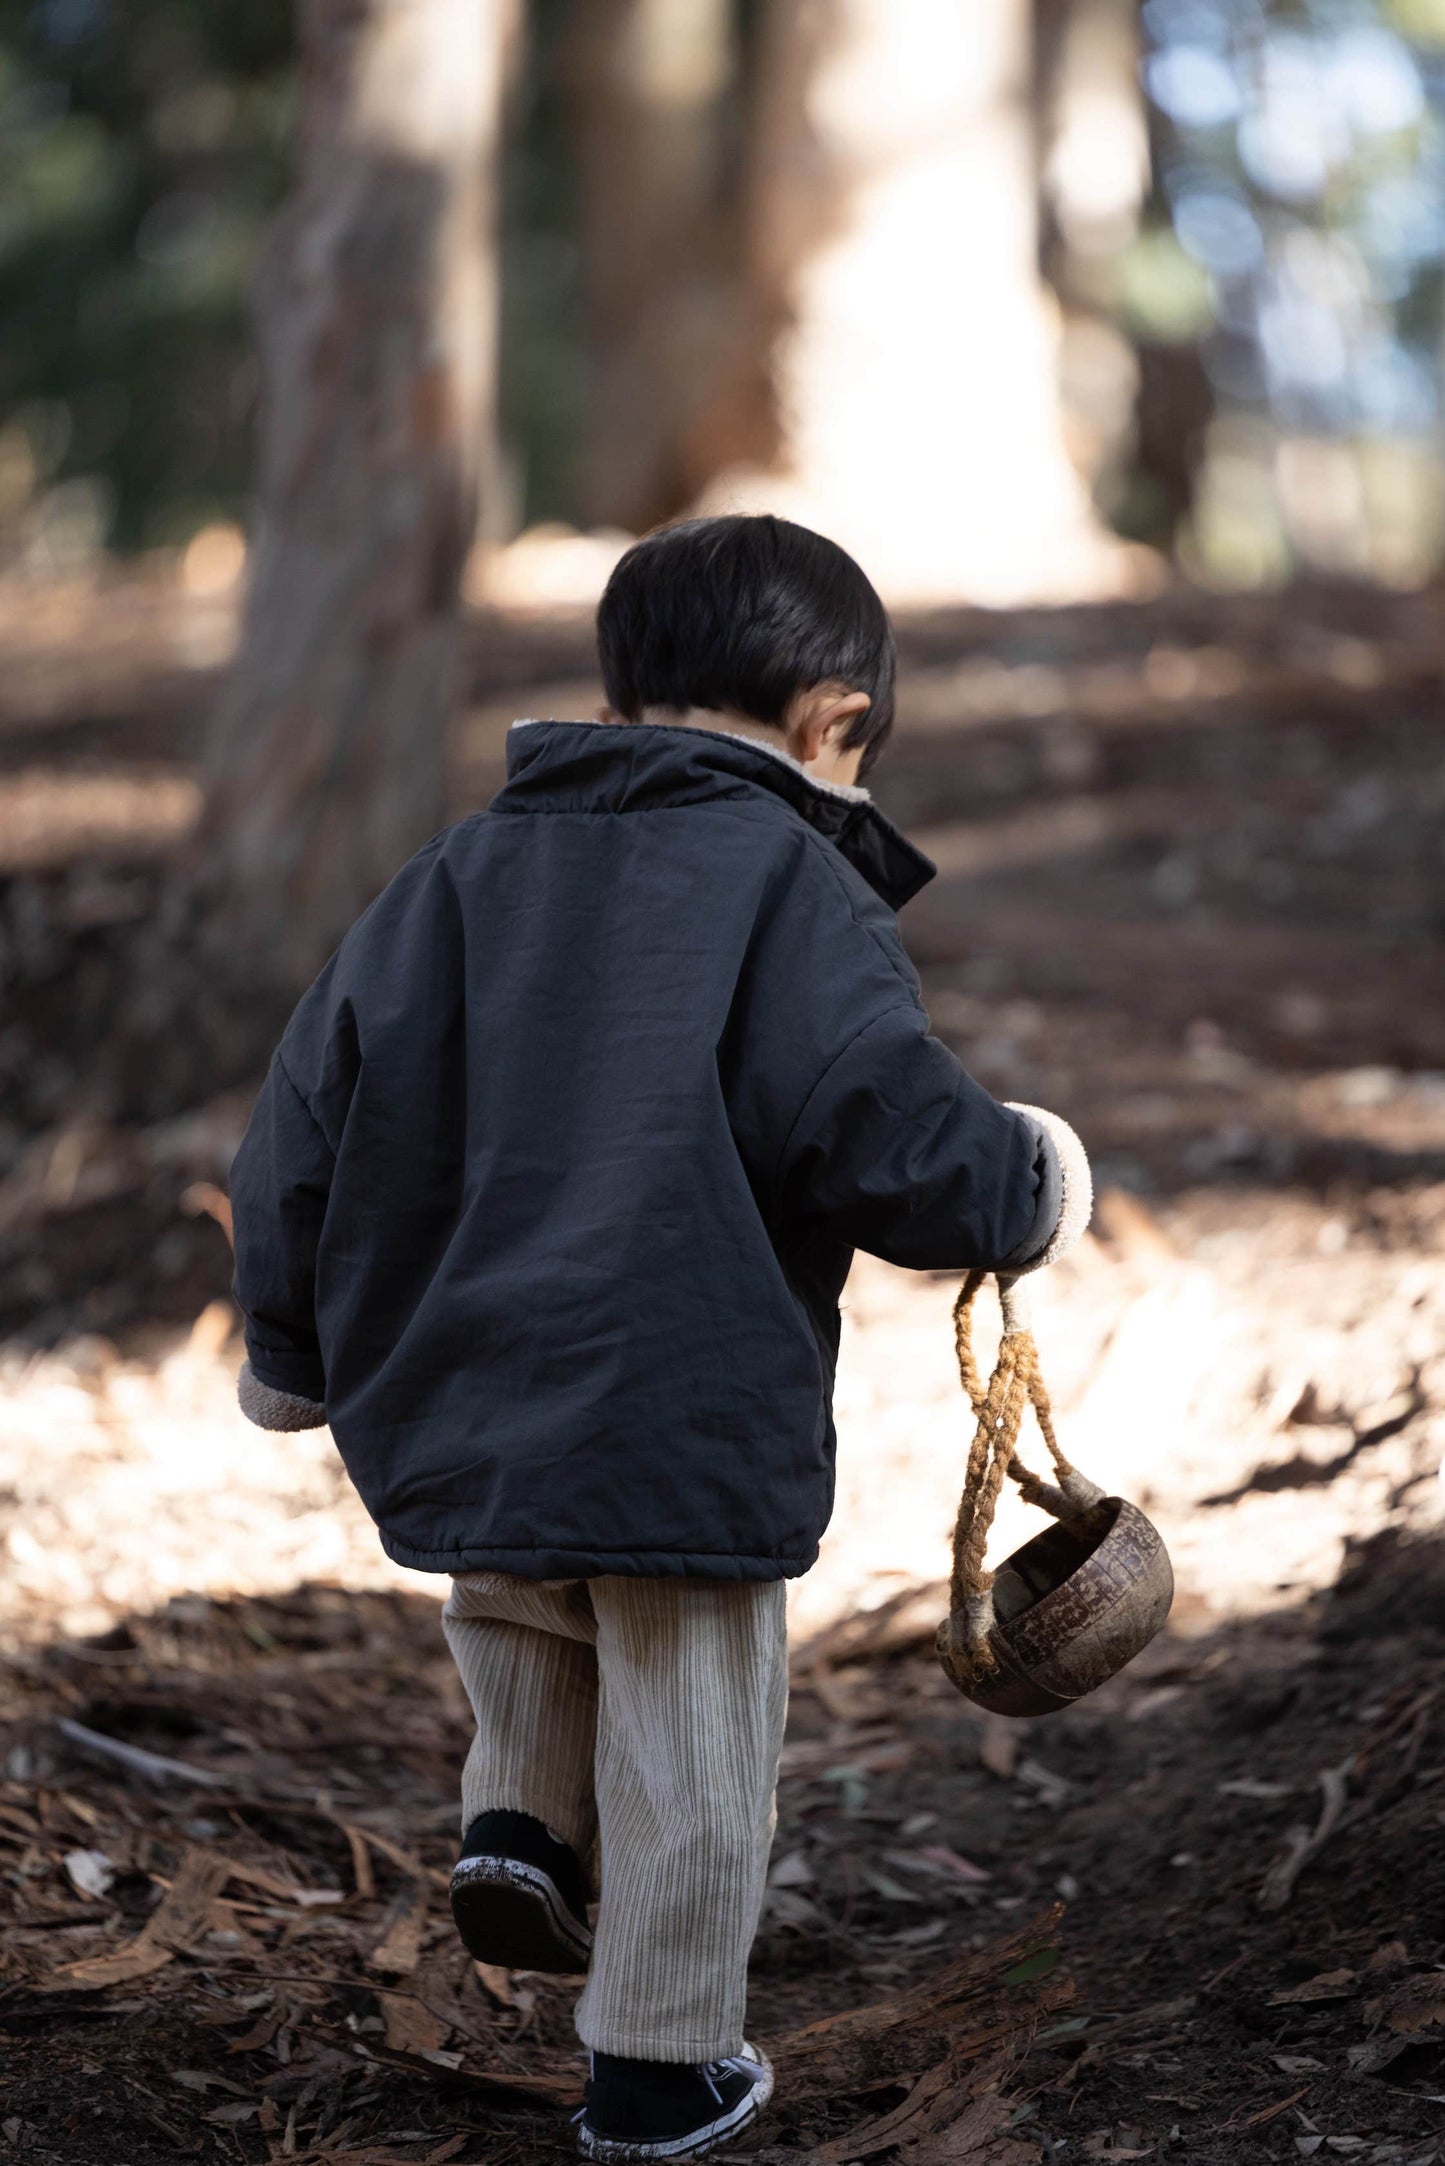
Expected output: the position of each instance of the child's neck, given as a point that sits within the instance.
(732, 722)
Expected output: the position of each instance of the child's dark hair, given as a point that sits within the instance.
(742, 613)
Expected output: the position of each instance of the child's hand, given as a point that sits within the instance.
(1077, 1201)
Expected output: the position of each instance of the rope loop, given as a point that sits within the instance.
(999, 1408)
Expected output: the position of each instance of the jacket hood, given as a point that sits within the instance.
(625, 766)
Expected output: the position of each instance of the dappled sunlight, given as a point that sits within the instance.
(52, 815)
(936, 454)
(1206, 1392)
(1110, 794)
(134, 1478)
(1108, 337)
(1234, 1398)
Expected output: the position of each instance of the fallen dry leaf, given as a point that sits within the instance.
(90, 1872)
(949, 1861)
(969, 2138)
(941, 2119)
(360, 1861)
(967, 2011)
(792, 1871)
(201, 2079)
(137, 1959)
(498, 1983)
(399, 1949)
(1330, 1985)
(178, 1921)
(261, 2032)
(285, 1891)
(554, 2087)
(1272, 2113)
(998, 1747)
(406, 1860)
(1416, 2005)
(411, 2027)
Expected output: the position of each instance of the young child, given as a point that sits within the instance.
(546, 1206)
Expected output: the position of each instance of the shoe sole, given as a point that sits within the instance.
(513, 1915)
(616, 2151)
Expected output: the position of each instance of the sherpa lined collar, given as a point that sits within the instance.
(622, 766)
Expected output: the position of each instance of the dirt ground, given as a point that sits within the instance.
(1192, 856)
(250, 1958)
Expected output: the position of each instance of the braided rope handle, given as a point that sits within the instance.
(999, 1406)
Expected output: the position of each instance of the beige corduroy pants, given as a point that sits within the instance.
(643, 1717)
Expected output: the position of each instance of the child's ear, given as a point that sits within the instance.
(831, 711)
(816, 720)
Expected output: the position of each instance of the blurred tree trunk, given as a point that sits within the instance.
(893, 256)
(1092, 136)
(1142, 405)
(650, 90)
(376, 328)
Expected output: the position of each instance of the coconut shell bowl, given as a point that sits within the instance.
(1070, 1608)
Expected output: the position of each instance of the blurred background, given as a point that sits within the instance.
(344, 346)
(1227, 216)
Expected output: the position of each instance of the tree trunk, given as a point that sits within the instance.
(650, 84)
(893, 246)
(376, 327)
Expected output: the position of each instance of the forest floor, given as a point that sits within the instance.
(1190, 892)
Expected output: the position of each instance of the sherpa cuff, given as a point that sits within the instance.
(1075, 1188)
(269, 1408)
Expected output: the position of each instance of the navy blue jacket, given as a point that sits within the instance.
(554, 1183)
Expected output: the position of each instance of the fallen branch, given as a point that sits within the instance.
(152, 1766)
(1302, 1844)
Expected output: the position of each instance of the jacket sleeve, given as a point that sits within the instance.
(904, 1155)
(280, 1182)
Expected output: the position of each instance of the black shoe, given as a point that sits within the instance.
(654, 2109)
(519, 1897)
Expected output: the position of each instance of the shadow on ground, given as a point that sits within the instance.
(244, 1952)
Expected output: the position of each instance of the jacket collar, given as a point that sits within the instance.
(622, 766)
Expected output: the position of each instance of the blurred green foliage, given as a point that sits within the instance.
(1422, 19)
(543, 358)
(143, 148)
(1295, 245)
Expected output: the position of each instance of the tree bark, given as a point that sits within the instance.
(893, 251)
(376, 312)
(650, 91)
